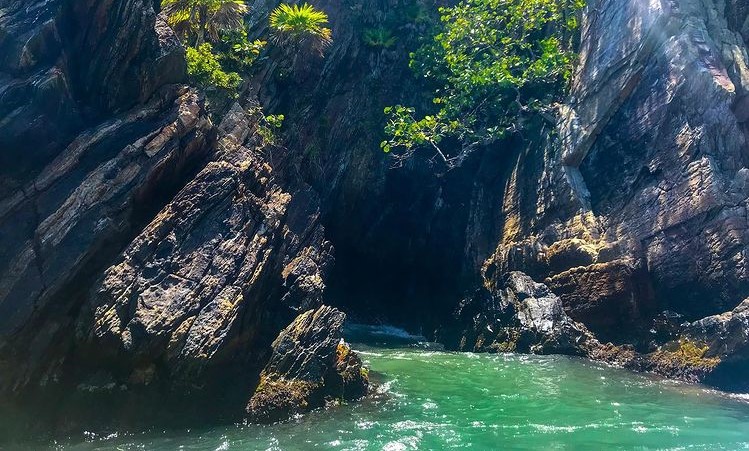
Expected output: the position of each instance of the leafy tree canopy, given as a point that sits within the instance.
(491, 63)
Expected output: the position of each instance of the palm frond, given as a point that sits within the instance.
(198, 19)
(299, 23)
(227, 15)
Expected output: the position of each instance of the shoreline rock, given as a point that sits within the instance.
(310, 367)
(517, 315)
(520, 315)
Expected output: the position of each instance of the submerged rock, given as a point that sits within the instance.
(310, 365)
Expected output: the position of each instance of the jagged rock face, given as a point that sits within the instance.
(89, 196)
(211, 280)
(66, 66)
(726, 339)
(95, 139)
(726, 334)
(309, 365)
(517, 315)
(641, 204)
(123, 261)
(423, 233)
(638, 206)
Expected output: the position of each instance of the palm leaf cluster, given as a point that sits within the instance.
(299, 24)
(378, 37)
(199, 20)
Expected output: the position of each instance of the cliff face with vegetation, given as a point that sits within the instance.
(638, 205)
(641, 206)
(148, 248)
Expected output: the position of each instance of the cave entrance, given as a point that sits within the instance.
(408, 246)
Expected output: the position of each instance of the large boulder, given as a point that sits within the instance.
(310, 365)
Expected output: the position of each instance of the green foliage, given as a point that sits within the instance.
(239, 52)
(220, 22)
(275, 120)
(197, 21)
(269, 126)
(205, 70)
(378, 37)
(491, 63)
(295, 25)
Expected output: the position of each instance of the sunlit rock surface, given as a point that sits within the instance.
(310, 365)
(640, 205)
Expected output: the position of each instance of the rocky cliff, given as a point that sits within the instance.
(95, 136)
(146, 249)
(641, 207)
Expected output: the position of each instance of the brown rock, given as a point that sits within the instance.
(310, 365)
(640, 206)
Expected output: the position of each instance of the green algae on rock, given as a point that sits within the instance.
(311, 365)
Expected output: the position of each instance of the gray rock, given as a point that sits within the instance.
(640, 205)
(217, 273)
(310, 365)
(726, 334)
(517, 315)
(95, 138)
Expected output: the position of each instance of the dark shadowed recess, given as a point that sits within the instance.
(410, 258)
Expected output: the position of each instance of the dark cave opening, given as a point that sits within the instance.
(408, 252)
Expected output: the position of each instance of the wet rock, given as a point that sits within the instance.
(310, 365)
(517, 315)
(726, 334)
(724, 342)
(684, 359)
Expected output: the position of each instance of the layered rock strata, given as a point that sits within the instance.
(311, 365)
(211, 280)
(640, 205)
(143, 248)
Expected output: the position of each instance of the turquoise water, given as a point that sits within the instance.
(439, 400)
